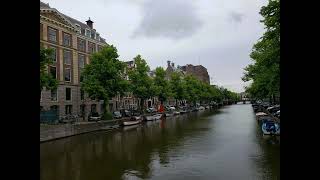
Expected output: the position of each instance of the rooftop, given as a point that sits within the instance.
(75, 22)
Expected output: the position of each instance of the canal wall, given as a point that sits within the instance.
(51, 132)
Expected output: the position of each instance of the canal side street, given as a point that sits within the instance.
(50, 132)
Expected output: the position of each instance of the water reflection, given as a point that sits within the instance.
(202, 145)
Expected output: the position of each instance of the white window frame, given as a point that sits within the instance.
(56, 96)
(65, 74)
(55, 50)
(88, 33)
(64, 61)
(56, 71)
(70, 40)
(56, 34)
(84, 60)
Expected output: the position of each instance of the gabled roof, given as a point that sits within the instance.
(73, 22)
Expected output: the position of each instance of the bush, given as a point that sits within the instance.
(106, 116)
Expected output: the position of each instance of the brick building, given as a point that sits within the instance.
(73, 42)
(197, 71)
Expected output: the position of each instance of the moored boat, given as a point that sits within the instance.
(153, 117)
(168, 114)
(133, 121)
(270, 128)
(183, 111)
(149, 118)
(157, 116)
(176, 113)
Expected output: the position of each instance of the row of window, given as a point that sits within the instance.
(68, 109)
(67, 40)
(54, 95)
(67, 57)
(67, 73)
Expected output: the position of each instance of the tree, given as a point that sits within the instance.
(177, 86)
(265, 71)
(192, 89)
(103, 78)
(46, 79)
(162, 87)
(141, 84)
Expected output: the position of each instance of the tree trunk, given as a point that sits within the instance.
(141, 105)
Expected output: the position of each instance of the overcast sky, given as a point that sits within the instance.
(217, 34)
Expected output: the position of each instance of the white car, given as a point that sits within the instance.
(172, 108)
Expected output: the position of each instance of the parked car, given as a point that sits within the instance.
(127, 113)
(117, 115)
(94, 116)
(151, 110)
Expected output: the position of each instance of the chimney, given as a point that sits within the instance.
(172, 64)
(168, 63)
(90, 23)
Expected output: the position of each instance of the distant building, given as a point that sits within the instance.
(197, 71)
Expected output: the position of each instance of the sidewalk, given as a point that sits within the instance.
(50, 132)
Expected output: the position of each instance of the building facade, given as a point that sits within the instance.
(197, 71)
(72, 42)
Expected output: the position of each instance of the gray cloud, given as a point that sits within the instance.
(236, 17)
(174, 19)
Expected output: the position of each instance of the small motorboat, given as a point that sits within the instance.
(201, 108)
(168, 114)
(176, 113)
(157, 116)
(149, 118)
(270, 128)
(153, 117)
(133, 121)
(183, 111)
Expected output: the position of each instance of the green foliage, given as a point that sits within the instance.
(192, 89)
(140, 84)
(162, 86)
(103, 77)
(107, 116)
(46, 79)
(177, 86)
(265, 71)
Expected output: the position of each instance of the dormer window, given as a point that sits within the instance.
(88, 33)
(93, 35)
(97, 36)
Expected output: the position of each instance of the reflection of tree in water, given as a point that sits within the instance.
(268, 155)
(110, 155)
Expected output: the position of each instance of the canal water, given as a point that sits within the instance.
(225, 144)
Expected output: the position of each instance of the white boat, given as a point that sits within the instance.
(129, 123)
(134, 120)
(153, 117)
(169, 114)
(157, 116)
(176, 112)
(261, 114)
(149, 118)
(201, 108)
